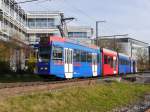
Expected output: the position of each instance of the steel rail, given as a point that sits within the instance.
(26, 84)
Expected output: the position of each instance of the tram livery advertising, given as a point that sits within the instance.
(64, 58)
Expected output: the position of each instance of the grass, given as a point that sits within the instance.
(94, 98)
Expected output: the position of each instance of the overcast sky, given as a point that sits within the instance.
(123, 16)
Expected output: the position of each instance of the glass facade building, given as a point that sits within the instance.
(77, 34)
(80, 33)
(42, 24)
(29, 27)
(12, 20)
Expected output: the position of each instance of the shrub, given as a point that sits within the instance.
(31, 64)
(4, 66)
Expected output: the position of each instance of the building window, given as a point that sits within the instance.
(51, 23)
(77, 34)
(41, 23)
(1, 14)
(31, 23)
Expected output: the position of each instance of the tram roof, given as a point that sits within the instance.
(60, 39)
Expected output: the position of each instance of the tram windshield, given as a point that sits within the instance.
(44, 50)
(44, 53)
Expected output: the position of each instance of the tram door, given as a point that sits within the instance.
(115, 64)
(132, 66)
(68, 62)
(94, 64)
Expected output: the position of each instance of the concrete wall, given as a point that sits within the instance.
(0, 4)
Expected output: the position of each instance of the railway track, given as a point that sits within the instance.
(12, 89)
(47, 82)
(26, 84)
(15, 89)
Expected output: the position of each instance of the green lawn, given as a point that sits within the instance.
(94, 98)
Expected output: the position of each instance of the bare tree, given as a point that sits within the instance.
(14, 52)
(142, 59)
(4, 56)
(112, 44)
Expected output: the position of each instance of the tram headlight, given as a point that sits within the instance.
(46, 68)
(41, 68)
(40, 60)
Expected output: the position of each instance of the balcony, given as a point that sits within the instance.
(33, 31)
(1, 14)
(0, 27)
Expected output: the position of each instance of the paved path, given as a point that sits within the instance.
(143, 78)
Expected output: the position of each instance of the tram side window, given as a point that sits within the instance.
(105, 59)
(89, 57)
(76, 55)
(115, 63)
(98, 58)
(110, 61)
(124, 62)
(120, 61)
(128, 62)
(57, 53)
(83, 56)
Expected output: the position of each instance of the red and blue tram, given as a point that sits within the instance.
(109, 62)
(124, 64)
(133, 65)
(65, 59)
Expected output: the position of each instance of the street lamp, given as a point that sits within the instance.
(97, 23)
